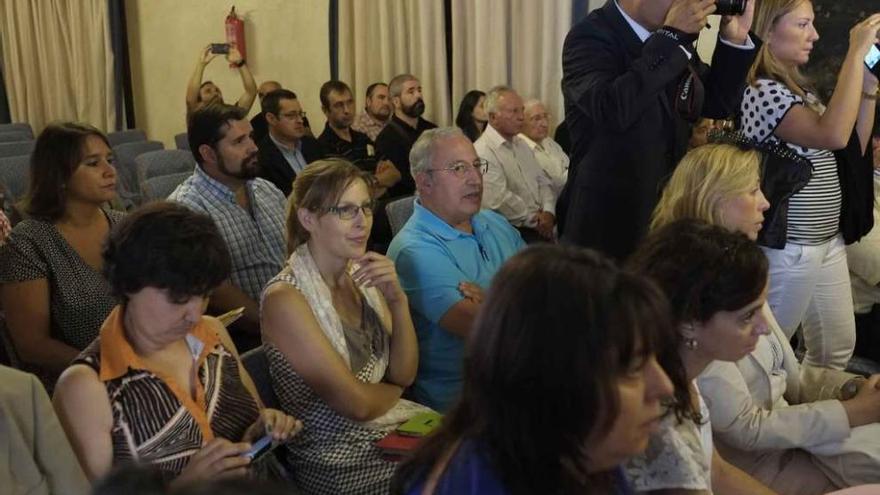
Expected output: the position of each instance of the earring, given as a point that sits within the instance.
(690, 343)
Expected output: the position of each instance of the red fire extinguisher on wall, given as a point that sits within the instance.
(235, 33)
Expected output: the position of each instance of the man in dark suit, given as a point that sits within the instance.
(633, 84)
(286, 150)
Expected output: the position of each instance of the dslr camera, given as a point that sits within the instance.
(730, 7)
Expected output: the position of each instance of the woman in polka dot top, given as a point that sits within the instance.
(809, 280)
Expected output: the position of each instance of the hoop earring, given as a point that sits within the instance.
(690, 343)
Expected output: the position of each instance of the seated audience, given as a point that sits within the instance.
(778, 421)
(446, 254)
(147, 480)
(286, 150)
(338, 335)
(163, 384)
(341, 141)
(471, 117)
(513, 183)
(248, 211)
(550, 156)
(716, 283)
(50, 267)
(199, 94)
(258, 121)
(35, 456)
(552, 401)
(863, 258)
(377, 111)
(401, 132)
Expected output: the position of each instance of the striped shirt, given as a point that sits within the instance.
(155, 419)
(814, 211)
(256, 238)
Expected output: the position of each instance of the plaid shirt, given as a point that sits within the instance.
(368, 125)
(256, 239)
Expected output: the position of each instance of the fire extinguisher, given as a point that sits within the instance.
(235, 33)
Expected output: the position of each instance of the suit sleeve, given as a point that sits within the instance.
(595, 79)
(725, 81)
(743, 424)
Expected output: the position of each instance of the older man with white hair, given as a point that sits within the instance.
(445, 255)
(551, 157)
(515, 183)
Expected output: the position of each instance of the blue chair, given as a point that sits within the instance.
(125, 164)
(127, 136)
(16, 148)
(399, 212)
(257, 365)
(181, 141)
(22, 127)
(160, 187)
(14, 136)
(15, 175)
(163, 162)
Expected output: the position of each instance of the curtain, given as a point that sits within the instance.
(512, 42)
(58, 61)
(379, 39)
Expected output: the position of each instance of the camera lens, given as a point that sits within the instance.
(730, 7)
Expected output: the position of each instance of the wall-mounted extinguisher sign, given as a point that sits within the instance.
(235, 33)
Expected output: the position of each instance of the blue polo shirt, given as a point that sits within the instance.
(432, 258)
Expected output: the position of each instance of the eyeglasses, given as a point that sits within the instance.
(349, 212)
(294, 115)
(461, 167)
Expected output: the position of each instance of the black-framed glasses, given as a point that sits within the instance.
(349, 212)
(461, 167)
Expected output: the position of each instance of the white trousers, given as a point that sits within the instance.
(810, 285)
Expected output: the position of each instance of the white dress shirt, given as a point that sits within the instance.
(513, 186)
(552, 160)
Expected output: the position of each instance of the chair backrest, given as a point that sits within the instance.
(257, 365)
(22, 127)
(18, 148)
(14, 136)
(125, 164)
(161, 186)
(14, 175)
(399, 212)
(126, 136)
(163, 162)
(182, 141)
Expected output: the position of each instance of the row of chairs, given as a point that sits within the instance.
(146, 170)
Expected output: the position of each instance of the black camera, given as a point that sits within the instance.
(730, 7)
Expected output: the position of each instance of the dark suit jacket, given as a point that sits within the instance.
(626, 135)
(275, 169)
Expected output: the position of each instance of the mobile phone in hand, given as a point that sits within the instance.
(220, 48)
(260, 449)
(872, 60)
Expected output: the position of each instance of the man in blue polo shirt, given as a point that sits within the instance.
(446, 254)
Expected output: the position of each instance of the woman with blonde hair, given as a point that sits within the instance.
(810, 284)
(781, 423)
(338, 335)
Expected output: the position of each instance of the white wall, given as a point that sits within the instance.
(287, 40)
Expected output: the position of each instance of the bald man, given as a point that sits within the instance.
(261, 128)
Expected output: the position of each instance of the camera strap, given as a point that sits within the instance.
(689, 95)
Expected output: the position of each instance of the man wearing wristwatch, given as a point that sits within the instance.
(633, 85)
(199, 94)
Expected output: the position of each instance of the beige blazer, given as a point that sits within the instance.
(747, 419)
(35, 456)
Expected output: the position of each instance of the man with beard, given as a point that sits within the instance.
(446, 255)
(407, 124)
(377, 111)
(287, 149)
(248, 211)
